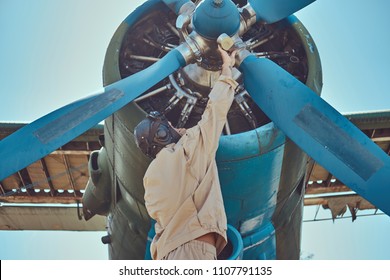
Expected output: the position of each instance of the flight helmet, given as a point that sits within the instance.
(154, 133)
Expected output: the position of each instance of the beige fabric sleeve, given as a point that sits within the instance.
(229, 81)
(214, 116)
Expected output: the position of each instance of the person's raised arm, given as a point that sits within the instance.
(220, 99)
(228, 62)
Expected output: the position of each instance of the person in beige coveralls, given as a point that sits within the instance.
(182, 189)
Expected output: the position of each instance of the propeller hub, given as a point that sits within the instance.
(214, 17)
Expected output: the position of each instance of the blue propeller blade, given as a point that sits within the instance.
(271, 11)
(175, 5)
(41, 137)
(319, 130)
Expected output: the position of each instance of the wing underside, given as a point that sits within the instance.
(60, 179)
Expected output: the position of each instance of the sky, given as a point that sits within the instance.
(52, 52)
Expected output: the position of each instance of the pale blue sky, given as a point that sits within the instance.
(52, 52)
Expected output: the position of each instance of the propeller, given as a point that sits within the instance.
(271, 11)
(319, 130)
(41, 137)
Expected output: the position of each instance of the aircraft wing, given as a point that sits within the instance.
(60, 179)
(45, 195)
(48, 218)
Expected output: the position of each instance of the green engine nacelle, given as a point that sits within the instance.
(97, 196)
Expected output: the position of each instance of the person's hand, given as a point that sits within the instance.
(227, 60)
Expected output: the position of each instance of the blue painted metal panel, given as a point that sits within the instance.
(261, 245)
(249, 166)
(250, 144)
